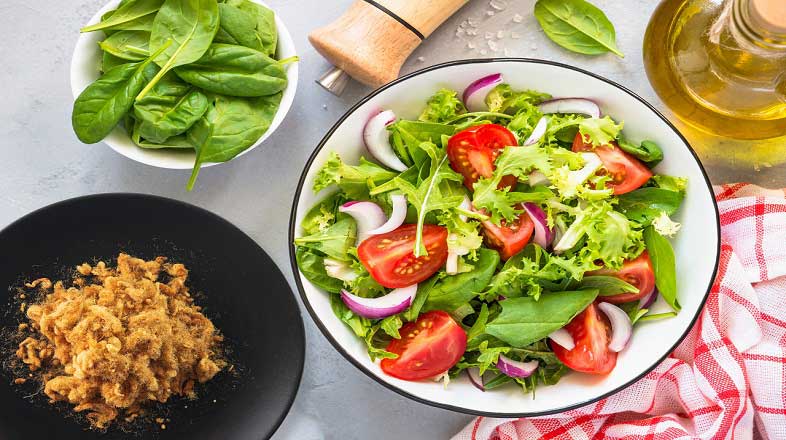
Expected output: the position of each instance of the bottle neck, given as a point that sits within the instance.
(758, 24)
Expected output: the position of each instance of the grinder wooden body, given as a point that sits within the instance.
(372, 39)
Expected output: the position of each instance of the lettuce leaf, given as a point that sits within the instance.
(355, 181)
(442, 107)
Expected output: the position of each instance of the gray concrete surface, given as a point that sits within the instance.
(43, 162)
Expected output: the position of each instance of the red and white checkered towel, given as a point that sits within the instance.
(727, 380)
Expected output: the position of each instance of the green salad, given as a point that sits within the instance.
(185, 74)
(504, 234)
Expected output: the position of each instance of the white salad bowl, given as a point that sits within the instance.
(85, 69)
(696, 246)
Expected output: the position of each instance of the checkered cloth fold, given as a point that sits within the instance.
(727, 380)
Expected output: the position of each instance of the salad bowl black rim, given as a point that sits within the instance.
(317, 320)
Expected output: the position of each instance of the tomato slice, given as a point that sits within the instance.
(428, 347)
(472, 152)
(390, 257)
(627, 173)
(591, 334)
(509, 240)
(638, 272)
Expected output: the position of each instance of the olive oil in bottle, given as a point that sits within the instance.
(720, 65)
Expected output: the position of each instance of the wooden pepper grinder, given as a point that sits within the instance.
(371, 41)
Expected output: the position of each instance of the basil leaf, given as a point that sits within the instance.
(577, 26)
(607, 285)
(312, 266)
(453, 291)
(663, 262)
(645, 204)
(525, 320)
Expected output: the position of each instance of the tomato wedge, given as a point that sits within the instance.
(638, 272)
(390, 257)
(591, 335)
(627, 173)
(428, 347)
(509, 240)
(472, 152)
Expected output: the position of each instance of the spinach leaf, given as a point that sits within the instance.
(237, 27)
(664, 264)
(190, 26)
(128, 45)
(479, 327)
(648, 152)
(361, 326)
(452, 291)
(229, 127)
(525, 320)
(125, 14)
(645, 204)
(334, 241)
(607, 285)
(312, 266)
(108, 61)
(235, 71)
(170, 109)
(104, 103)
(179, 142)
(577, 25)
(424, 289)
(406, 137)
(266, 23)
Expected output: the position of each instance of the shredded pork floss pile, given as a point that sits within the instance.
(120, 338)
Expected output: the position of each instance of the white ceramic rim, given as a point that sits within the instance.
(293, 228)
(85, 64)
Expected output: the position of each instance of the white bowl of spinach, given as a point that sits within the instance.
(182, 84)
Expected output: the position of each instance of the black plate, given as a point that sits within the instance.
(245, 295)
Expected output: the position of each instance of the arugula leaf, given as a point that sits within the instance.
(432, 194)
(334, 241)
(355, 181)
(452, 291)
(648, 152)
(525, 320)
(607, 285)
(600, 131)
(577, 26)
(489, 356)
(442, 107)
(663, 262)
(645, 204)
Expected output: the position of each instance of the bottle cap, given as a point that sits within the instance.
(770, 15)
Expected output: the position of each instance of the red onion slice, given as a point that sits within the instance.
(474, 96)
(397, 217)
(376, 308)
(563, 338)
(537, 132)
(512, 368)
(367, 215)
(571, 105)
(377, 140)
(646, 301)
(451, 265)
(543, 234)
(475, 378)
(339, 270)
(466, 205)
(621, 327)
